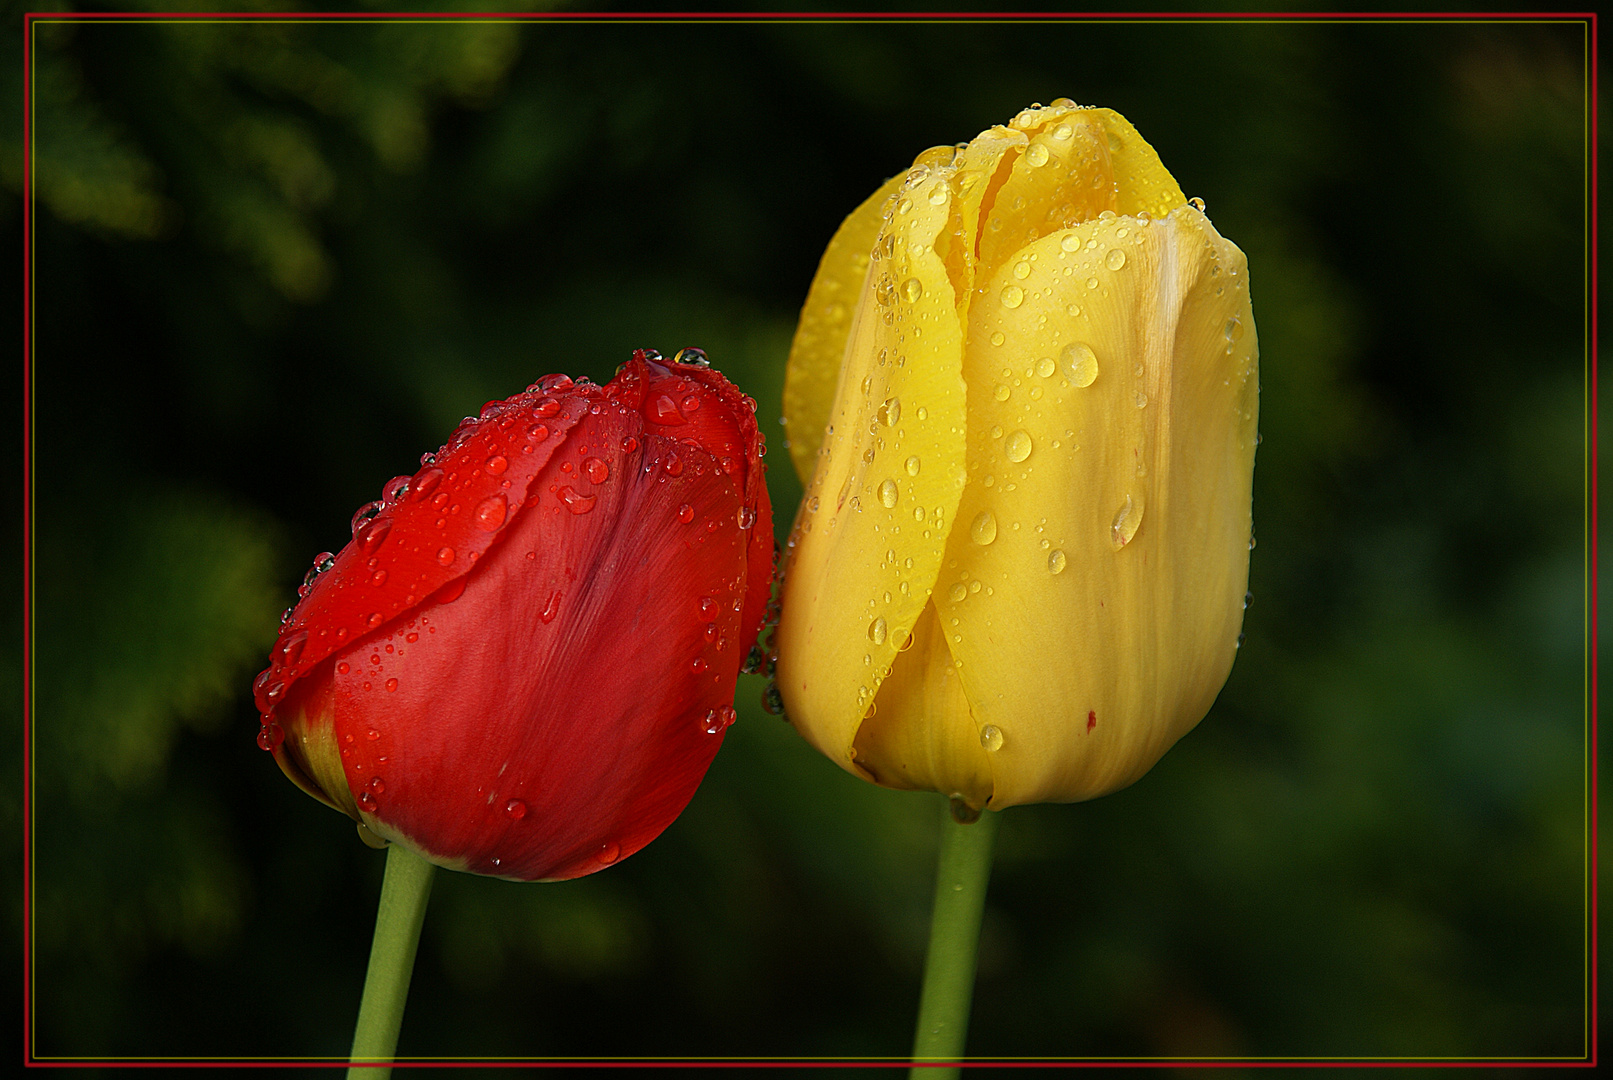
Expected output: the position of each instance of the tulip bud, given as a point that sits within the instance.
(525, 660)
(1024, 389)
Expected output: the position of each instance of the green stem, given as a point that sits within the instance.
(961, 875)
(404, 892)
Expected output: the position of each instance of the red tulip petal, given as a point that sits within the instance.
(449, 515)
(551, 744)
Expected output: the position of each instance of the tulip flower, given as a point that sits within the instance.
(525, 660)
(1023, 397)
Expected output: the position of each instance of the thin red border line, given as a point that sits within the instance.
(1592, 292)
(1384, 16)
(772, 16)
(27, 536)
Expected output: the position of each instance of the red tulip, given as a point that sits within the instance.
(524, 661)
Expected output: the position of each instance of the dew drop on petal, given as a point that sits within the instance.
(686, 513)
(889, 494)
(373, 534)
(609, 853)
(912, 289)
(515, 809)
(1017, 447)
(877, 631)
(958, 593)
(490, 512)
(983, 530)
(575, 502)
(1012, 296)
(1080, 364)
(445, 556)
(1127, 518)
(596, 470)
(1115, 260)
(497, 464)
(991, 737)
(1056, 561)
(551, 608)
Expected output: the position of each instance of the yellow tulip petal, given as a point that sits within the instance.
(820, 337)
(921, 736)
(1142, 183)
(1100, 558)
(1061, 177)
(868, 538)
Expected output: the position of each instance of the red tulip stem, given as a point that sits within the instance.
(961, 875)
(404, 892)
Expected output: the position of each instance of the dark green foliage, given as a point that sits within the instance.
(275, 263)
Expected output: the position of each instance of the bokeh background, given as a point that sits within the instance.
(277, 261)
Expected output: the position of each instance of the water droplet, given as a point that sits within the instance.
(983, 530)
(1233, 329)
(366, 802)
(596, 470)
(546, 408)
(1142, 400)
(1045, 367)
(877, 631)
(991, 737)
(291, 646)
(958, 593)
(364, 514)
(378, 578)
(673, 465)
(912, 466)
(696, 357)
(889, 494)
(391, 684)
(1071, 242)
(1127, 518)
(454, 589)
(1017, 447)
(372, 535)
(609, 853)
(576, 503)
(551, 608)
(912, 289)
(962, 812)
(1115, 260)
(1080, 363)
(423, 485)
(538, 432)
(1064, 131)
(497, 464)
(270, 736)
(661, 409)
(445, 556)
(889, 412)
(342, 668)
(1248, 596)
(490, 512)
(1022, 270)
(1197, 203)
(1002, 392)
(686, 513)
(1037, 154)
(746, 517)
(1012, 296)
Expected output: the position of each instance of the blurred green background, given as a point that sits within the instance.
(276, 262)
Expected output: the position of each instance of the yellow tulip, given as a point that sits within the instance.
(1024, 388)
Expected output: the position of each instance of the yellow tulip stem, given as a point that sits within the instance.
(404, 892)
(961, 875)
